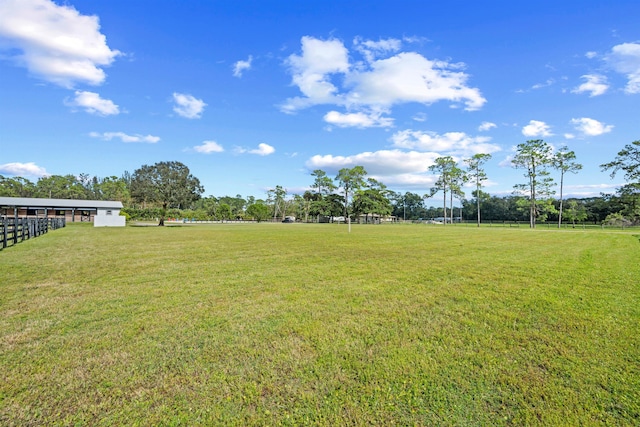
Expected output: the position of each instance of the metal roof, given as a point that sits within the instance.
(34, 203)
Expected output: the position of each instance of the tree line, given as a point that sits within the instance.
(168, 189)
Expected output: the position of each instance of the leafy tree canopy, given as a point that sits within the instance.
(167, 183)
(628, 161)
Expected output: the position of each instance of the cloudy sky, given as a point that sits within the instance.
(254, 94)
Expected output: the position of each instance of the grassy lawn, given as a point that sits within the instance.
(304, 324)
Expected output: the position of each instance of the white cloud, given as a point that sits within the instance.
(108, 136)
(55, 43)
(312, 69)
(410, 77)
(93, 104)
(23, 169)
(407, 165)
(625, 59)
(595, 84)
(383, 162)
(506, 162)
(591, 127)
(188, 106)
(485, 126)
(208, 147)
(240, 66)
(548, 83)
(371, 49)
(420, 117)
(262, 150)
(418, 181)
(569, 136)
(591, 54)
(590, 190)
(358, 120)
(591, 186)
(415, 39)
(393, 167)
(536, 128)
(450, 142)
(324, 75)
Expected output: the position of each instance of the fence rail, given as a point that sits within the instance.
(14, 230)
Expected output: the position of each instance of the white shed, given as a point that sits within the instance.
(108, 217)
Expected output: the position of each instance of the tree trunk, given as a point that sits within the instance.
(532, 196)
(560, 211)
(444, 207)
(162, 214)
(478, 201)
(451, 206)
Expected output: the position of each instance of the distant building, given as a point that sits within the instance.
(447, 219)
(375, 218)
(101, 212)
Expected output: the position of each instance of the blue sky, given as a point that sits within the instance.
(254, 94)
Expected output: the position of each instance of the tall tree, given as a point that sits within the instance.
(445, 167)
(90, 185)
(350, 180)
(628, 161)
(333, 205)
(322, 183)
(112, 188)
(224, 212)
(322, 187)
(458, 178)
(277, 197)
(16, 187)
(372, 200)
(308, 201)
(564, 161)
(298, 207)
(409, 206)
(477, 175)
(236, 204)
(258, 211)
(534, 156)
(169, 184)
(209, 205)
(61, 187)
(576, 211)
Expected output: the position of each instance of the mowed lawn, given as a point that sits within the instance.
(306, 324)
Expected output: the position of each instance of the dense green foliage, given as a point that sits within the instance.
(476, 174)
(628, 162)
(450, 180)
(282, 324)
(258, 211)
(68, 187)
(563, 161)
(167, 184)
(364, 197)
(535, 158)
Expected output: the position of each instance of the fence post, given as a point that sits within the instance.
(15, 231)
(5, 224)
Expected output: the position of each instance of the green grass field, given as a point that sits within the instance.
(303, 324)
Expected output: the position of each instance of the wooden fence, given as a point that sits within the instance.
(14, 230)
